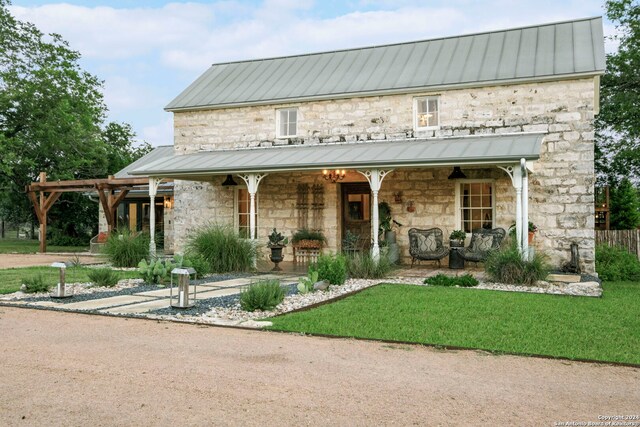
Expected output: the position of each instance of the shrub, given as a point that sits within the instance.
(198, 263)
(262, 295)
(616, 263)
(125, 249)
(507, 266)
(222, 248)
(36, 283)
(103, 277)
(363, 266)
(332, 268)
(464, 281)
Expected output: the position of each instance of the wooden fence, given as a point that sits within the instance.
(628, 239)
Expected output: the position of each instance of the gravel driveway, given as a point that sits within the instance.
(74, 369)
(31, 260)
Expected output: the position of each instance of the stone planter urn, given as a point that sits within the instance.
(276, 256)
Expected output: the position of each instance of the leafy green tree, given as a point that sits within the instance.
(625, 207)
(618, 124)
(52, 116)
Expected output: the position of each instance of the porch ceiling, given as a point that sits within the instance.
(470, 150)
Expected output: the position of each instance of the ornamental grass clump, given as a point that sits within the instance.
(103, 277)
(507, 266)
(364, 266)
(35, 284)
(222, 248)
(262, 295)
(616, 264)
(125, 248)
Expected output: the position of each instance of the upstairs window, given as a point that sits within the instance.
(286, 122)
(426, 113)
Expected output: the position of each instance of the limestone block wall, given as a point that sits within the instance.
(561, 187)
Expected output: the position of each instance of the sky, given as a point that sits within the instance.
(148, 51)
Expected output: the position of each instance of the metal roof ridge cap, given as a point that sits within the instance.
(566, 21)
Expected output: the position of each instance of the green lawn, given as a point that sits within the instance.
(11, 278)
(606, 329)
(27, 246)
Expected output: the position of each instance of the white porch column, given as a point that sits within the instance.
(375, 177)
(252, 180)
(153, 190)
(525, 209)
(515, 173)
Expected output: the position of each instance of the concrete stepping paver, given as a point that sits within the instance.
(143, 307)
(107, 302)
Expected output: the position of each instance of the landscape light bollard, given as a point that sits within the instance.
(59, 292)
(183, 298)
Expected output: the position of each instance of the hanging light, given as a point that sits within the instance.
(457, 173)
(229, 181)
(334, 176)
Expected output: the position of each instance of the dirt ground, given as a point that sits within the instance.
(30, 260)
(75, 369)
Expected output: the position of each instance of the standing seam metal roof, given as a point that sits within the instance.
(543, 52)
(469, 150)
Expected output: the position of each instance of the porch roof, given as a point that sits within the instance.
(469, 150)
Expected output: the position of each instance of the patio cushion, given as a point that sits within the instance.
(481, 243)
(427, 243)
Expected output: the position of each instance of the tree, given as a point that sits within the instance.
(618, 124)
(625, 207)
(52, 116)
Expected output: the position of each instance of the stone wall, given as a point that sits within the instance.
(561, 187)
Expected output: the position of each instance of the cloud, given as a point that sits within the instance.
(148, 55)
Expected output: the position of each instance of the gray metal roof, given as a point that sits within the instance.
(469, 150)
(543, 52)
(164, 151)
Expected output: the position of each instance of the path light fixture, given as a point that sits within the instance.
(60, 289)
(229, 182)
(334, 176)
(457, 173)
(184, 299)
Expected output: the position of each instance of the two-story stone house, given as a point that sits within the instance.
(318, 140)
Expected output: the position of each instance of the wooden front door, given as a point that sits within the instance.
(356, 212)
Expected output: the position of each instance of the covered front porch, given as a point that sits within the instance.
(294, 187)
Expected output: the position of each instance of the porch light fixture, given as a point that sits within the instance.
(334, 176)
(168, 202)
(457, 173)
(229, 182)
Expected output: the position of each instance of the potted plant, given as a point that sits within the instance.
(387, 222)
(532, 231)
(456, 238)
(308, 239)
(276, 243)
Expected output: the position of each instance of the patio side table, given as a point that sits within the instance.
(455, 260)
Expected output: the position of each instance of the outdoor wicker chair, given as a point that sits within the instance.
(482, 242)
(426, 245)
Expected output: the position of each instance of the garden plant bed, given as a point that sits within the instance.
(602, 329)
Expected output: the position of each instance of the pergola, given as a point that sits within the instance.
(111, 192)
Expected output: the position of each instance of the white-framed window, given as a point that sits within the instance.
(241, 205)
(426, 112)
(475, 204)
(286, 122)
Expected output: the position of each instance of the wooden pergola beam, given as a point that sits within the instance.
(105, 187)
